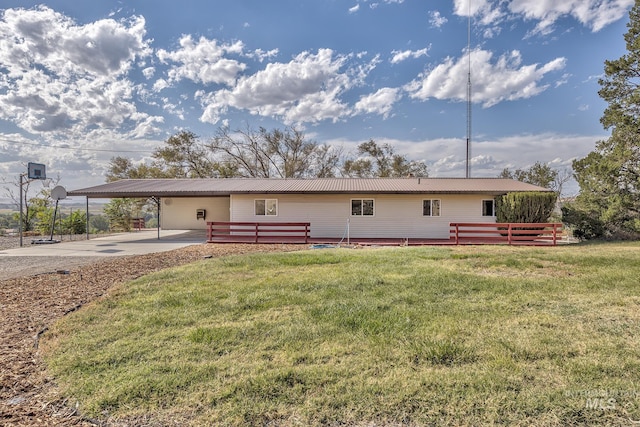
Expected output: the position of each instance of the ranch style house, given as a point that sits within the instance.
(368, 208)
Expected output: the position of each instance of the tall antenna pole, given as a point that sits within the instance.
(468, 174)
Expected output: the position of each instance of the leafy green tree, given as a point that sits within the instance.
(123, 168)
(74, 223)
(121, 212)
(381, 161)
(584, 224)
(609, 177)
(7, 220)
(44, 216)
(539, 174)
(98, 223)
(185, 156)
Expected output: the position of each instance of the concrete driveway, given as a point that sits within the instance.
(134, 243)
(33, 259)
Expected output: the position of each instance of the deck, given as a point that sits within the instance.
(548, 234)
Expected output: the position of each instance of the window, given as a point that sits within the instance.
(266, 207)
(488, 208)
(431, 207)
(362, 207)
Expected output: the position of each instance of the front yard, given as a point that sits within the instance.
(397, 336)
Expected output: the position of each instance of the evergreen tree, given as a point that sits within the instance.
(609, 177)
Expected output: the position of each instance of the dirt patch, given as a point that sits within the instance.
(30, 304)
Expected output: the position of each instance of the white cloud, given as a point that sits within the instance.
(51, 40)
(593, 14)
(203, 61)
(485, 12)
(261, 55)
(67, 78)
(148, 72)
(399, 56)
(147, 125)
(505, 79)
(354, 9)
(436, 19)
(379, 102)
(160, 84)
(306, 89)
(563, 80)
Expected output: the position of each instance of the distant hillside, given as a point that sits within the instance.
(93, 207)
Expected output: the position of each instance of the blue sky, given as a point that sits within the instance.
(82, 82)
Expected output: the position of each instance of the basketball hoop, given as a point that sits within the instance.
(36, 171)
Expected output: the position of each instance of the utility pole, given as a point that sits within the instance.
(468, 171)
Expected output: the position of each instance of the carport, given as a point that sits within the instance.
(157, 190)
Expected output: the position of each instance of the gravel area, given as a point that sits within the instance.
(31, 302)
(12, 267)
(10, 242)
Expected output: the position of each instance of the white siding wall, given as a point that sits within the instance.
(396, 216)
(179, 213)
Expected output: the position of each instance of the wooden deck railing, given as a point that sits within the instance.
(510, 233)
(258, 232)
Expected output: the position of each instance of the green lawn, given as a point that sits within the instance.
(399, 336)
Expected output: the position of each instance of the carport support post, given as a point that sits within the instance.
(157, 200)
(87, 218)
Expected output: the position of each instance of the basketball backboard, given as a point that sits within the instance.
(36, 171)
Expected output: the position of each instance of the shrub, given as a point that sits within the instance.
(99, 223)
(585, 225)
(75, 223)
(527, 207)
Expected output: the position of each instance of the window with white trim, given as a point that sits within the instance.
(362, 207)
(488, 208)
(266, 207)
(431, 207)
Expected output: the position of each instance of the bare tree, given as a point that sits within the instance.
(273, 154)
(564, 175)
(381, 161)
(31, 205)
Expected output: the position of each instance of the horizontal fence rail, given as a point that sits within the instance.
(510, 233)
(258, 232)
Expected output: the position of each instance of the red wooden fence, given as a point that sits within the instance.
(510, 233)
(258, 232)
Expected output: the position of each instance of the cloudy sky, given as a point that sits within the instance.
(84, 81)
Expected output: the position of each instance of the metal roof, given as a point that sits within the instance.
(228, 186)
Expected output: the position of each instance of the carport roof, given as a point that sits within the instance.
(227, 186)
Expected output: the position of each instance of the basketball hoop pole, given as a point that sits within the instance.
(35, 171)
(20, 216)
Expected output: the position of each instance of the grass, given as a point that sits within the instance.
(399, 336)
